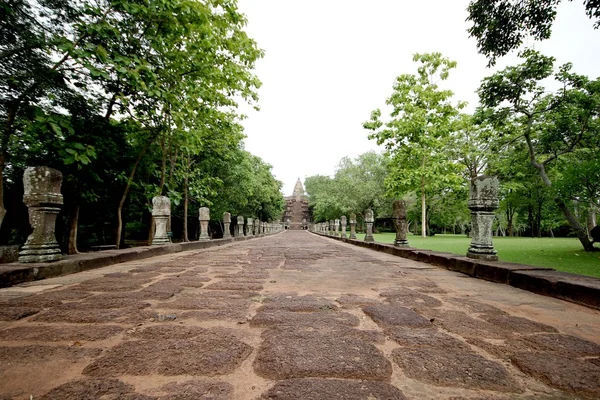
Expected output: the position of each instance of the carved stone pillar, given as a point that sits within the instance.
(161, 211)
(369, 222)
(336, 226)
(226, 225)
(250, 227)
(483, 201)
(240, 226)
(343, 233)
(42, 197)
(352, 226)
(400, 223)
(204, 217)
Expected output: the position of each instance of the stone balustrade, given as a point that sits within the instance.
(204, 218)
(43, 200)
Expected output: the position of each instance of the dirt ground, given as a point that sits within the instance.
(291, 316)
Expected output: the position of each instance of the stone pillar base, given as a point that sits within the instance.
(401, 243)
(369, 238)
(353, 236)
(40, 253)
(488, 254)
(343, 235)
(160, 240)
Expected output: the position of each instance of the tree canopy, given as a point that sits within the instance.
(501, 25)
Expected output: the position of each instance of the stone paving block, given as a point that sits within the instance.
(562, 344)
(409, 298)
(31, 301)
(391, 315)
(122, 300)
(36, 355)
(234, 286)
(517, 324)
(571, 375)
(208, 354)
(419, 337)
(312, 354)
(455, 368)
(197, 390)
(351, 300)
(49, 333)
(290, 331)
(112, 284)
(94, 389)
(293, 302)
(239, 315)
(89, 316)
(16, 313)
(205, 302)
(464, 325)
(250, 275)
(476, 307)
(332, 389)
(284, 317)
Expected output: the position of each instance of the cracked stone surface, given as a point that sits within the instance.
(291, 316)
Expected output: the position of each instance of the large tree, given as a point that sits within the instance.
(549, 125)
(418, 131)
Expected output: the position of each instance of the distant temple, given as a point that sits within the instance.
(296, 215)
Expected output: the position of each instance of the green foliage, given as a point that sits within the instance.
(356, 186)
(546, 126)
(130, 99)
(501, 25)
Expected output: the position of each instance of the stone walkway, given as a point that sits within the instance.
(291, 316)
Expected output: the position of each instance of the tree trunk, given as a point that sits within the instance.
(126, 192)
(185, 209)
(591, 221)
(73, 222)
(580, 231)
(423, 209)
(2, 209)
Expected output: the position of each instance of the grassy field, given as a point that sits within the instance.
(562, 254)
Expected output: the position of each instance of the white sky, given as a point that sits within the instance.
(329, 63)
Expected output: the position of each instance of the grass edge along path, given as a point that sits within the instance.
(562, 254)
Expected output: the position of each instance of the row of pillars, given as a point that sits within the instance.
(161, 210)
(483, 201)
(43, 198)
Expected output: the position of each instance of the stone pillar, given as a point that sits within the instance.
(336, 227)
(240, 226)
(483, 201)
(352, 226)
(303, 223)
(369, 222)
(400, 223)
(42, 197)
(250, 229)
(343, 227)
(204, 217)
(226, 224)
(161, 211)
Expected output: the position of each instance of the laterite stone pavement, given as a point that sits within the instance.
(291, 316)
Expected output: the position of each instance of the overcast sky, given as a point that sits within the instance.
(329, 63)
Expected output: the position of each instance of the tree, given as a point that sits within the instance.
(550, 125)
(501, 25)
(418, 132)
(358, 184)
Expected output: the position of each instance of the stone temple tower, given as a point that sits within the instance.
(296, 208)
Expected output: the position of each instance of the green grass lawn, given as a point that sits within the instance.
(562, 254)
